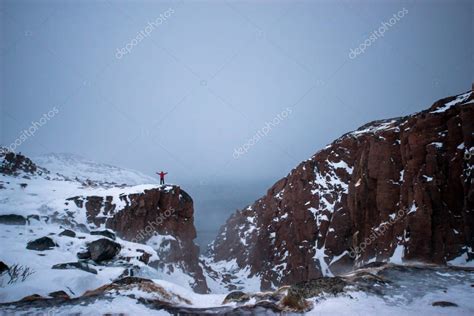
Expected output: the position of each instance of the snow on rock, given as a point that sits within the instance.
(458, 100)
(404, 170)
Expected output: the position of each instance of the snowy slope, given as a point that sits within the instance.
(73, 166)
(41, 196)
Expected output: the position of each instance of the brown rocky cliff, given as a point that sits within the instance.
(393, 190)
(165, 212)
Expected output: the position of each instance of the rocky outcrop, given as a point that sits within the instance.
(14, 163)
(162, 217)
(394, 190)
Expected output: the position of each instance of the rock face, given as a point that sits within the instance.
(163, 217)
(394, 190)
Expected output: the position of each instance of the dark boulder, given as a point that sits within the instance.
(84, 255)
(12, 219)
(74, 265)
(3, 267)
(106, 233)
(444, 304)
(103, 249)
(40, 244)
(68, 233)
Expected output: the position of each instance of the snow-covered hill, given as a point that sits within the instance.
(75, 166)
(37, 205)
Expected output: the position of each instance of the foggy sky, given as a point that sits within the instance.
(211, 74)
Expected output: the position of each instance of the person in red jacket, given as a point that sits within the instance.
(162, 176)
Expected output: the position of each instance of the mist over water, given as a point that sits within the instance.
(214, 203)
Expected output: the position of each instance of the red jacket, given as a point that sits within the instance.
(162, 174)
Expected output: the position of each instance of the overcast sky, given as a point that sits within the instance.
(181, 85)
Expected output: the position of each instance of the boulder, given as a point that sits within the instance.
(84, 255)
(12, 219)
(40, 244)
(444, 304)
(3, 267)
(103, 249)
(68, 233)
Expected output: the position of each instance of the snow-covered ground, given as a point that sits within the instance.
(412, 290)
(44, 195)
(45, 280)
(409, 291)
(360, 303)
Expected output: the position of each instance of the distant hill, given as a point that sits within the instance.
(72, 166)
